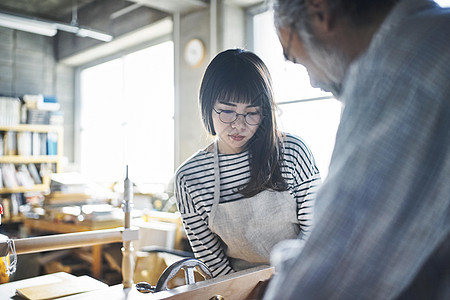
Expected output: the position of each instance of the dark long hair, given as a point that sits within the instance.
(237, 75)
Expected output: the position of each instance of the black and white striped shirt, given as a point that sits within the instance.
(194, 191)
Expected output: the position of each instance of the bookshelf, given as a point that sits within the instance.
(13, 157)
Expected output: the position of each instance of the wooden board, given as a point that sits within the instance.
(63, 288)
(238, 286)
(8, 290)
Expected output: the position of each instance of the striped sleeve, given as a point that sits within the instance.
(206, 245)
(303, 178)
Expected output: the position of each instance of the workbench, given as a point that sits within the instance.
(243, 285)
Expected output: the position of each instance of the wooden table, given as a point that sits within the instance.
(53, 227)
(241, 285)
(236, 286)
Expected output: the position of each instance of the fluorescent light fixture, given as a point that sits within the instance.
(67, 28)
(49, 28)
(82, 32)
(142, 35)
(29, 25)
(174, 6)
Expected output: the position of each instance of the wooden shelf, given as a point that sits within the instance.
(14, 219)
(22, 189)
(61, 227)
(32, 127)
(33, 159)
(18, 159)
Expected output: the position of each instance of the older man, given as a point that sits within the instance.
(382, 219)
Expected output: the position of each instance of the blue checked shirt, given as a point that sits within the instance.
(382, 218)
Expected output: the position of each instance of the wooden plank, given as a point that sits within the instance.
(32, 127)
(71, 240)
(59, 289)
(22, 189)
(236, 286)
(18, 159)
(8, 290)
(232, 286)
(61, 227)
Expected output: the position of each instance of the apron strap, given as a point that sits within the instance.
(216, 183)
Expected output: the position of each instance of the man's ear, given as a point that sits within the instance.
(320, 15)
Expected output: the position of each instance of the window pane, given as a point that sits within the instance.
(314, 121)
(101, 90)
(150, 93)
(443, 3)
(285, 74)
(127, 117)
(101, 131)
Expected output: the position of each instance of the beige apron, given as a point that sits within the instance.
(250, 227)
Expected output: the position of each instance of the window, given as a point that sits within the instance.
(127, 107)
(443, 3)
(302, 110)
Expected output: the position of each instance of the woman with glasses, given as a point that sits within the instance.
(253, 186)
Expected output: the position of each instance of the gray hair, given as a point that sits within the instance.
(287, 13)
(292, 13)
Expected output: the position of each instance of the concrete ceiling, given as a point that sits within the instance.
(114, 17)
(61, 10)
(56, 10)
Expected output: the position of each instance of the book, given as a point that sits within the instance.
(34, 174)
(43, 143)
(9, 111)
(57, 118)
(11, 143)
(24, 142)
(31, 101)
(9, 176)
(36, 116)
(41, 102)
(52, 143)
(15, 203)
(49, 103)
(70, 183)
(24, 177)
(2, 144)
(36, 144)
(1, 177)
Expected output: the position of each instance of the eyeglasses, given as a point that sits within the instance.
(229, 116)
